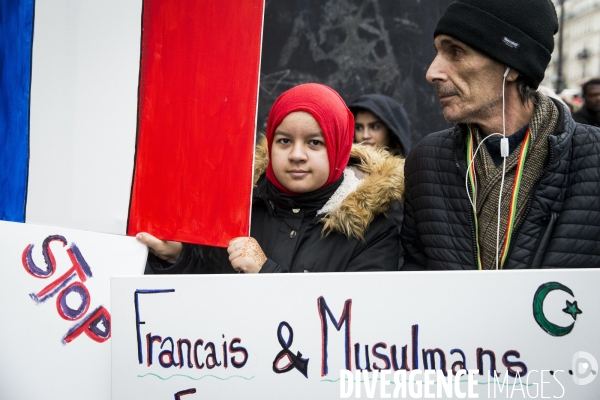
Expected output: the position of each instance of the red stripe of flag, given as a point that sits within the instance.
(197, 119)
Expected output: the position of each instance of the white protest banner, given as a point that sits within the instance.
(55, 308)
(499, 334)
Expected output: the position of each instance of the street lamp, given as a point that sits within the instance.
(583, 56)
(560, 80)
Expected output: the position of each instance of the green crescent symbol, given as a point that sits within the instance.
(538, 309)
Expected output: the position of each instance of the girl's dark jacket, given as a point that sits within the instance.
(395, 118)
(354, 235)
(561, 228)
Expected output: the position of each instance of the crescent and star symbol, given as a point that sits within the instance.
(538, 309)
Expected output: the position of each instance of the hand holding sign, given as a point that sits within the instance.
(246, 255)
(163, 249)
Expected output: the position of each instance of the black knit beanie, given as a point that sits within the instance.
(517, 33)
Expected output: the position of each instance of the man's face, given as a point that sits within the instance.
(468, 83)
(592, 98)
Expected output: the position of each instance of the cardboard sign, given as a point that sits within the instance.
(84, 98)
(56, 311)
(197, 120)
(15, 75)
(88, 97)
(327, 336)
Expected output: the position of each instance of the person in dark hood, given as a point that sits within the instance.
(381, 121)
(319, 202)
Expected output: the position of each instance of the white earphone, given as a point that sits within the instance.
(504, 152)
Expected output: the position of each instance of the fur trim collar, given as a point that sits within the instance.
(373, 180)
(349, 185)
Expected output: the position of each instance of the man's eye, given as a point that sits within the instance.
(358, 128)
(375, 127)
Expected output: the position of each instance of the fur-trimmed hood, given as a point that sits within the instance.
(373, 180)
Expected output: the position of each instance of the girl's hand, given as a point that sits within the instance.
(246, 255)
(163, 249)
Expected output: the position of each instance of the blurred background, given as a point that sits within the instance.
(386, 46)
(576, 57)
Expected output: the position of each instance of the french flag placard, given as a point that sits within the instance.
(121, 116)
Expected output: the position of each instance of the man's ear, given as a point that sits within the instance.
(512, 75)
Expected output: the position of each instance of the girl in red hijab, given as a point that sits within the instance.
(311, 210)
(325, 111)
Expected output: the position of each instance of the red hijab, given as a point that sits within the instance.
(334, 118)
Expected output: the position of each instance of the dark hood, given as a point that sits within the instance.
(390, 112)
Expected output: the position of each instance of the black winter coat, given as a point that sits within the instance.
(395, 118)
(292, 239)
(561, 228)
(585, 116)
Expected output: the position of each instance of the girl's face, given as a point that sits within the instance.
(369, 129)
(298, 153)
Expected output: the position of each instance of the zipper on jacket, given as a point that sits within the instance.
(474, 233)
(543, 242)
(471, 211)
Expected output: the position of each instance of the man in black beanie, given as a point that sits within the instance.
(516, 184)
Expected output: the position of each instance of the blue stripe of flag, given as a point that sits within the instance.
(16, 38)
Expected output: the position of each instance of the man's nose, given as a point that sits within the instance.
(435, 72)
